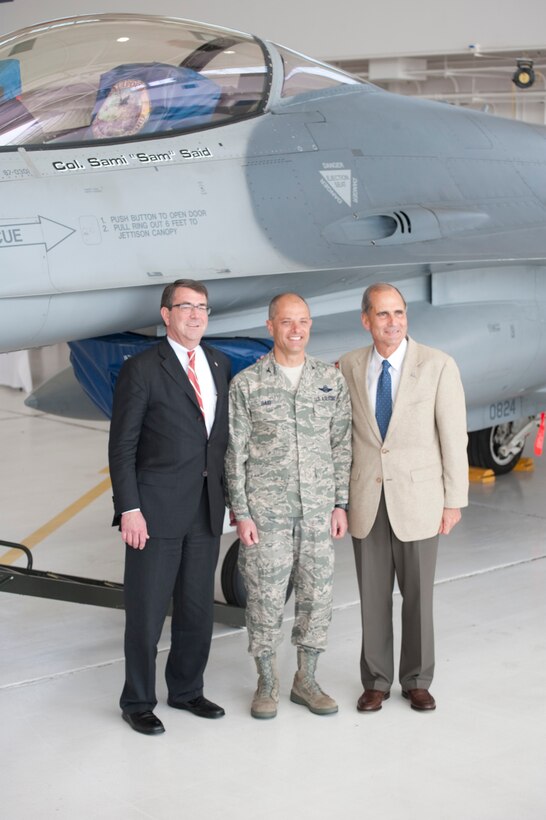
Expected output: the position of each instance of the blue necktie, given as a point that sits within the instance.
(383, 401)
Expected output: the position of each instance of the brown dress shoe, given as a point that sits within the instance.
(371, 700)
(420, 699)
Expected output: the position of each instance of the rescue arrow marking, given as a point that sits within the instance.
(45, 231)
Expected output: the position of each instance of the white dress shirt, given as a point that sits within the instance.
(396, 360)
(204, 377)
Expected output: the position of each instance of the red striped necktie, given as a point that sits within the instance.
(192, 376)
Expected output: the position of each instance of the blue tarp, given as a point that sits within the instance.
(10, 79)
(97, 362)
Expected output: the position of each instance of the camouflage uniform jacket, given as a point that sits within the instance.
(280, 440)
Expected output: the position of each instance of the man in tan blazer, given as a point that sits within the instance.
(409, 480)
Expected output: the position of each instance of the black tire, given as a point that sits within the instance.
(233, 587)
(483, 449)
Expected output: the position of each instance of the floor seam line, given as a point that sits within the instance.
(338, 608)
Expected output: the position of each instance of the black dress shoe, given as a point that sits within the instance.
(144, 722)
(199, 706)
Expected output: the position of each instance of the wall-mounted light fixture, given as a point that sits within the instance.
(524, 75)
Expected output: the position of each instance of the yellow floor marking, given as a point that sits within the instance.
(58, 521)
(525, 465)
(481, 475)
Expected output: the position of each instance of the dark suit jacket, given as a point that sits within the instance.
(159, 452)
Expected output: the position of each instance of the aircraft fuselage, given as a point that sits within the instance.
(321, 192)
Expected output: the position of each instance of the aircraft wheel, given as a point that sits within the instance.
(484, 445)
(233, 587)
(232, 582)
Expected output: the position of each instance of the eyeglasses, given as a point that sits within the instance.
(187, 307)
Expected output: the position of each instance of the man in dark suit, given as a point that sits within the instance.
(168, 437)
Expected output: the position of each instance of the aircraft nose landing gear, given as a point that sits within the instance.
(499, 448)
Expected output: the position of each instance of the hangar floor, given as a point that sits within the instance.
(66, 752)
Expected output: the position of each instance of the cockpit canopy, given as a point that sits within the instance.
(123, 76)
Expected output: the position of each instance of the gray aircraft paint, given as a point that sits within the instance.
(323, 193)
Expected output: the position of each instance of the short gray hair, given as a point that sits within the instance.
(378, 286)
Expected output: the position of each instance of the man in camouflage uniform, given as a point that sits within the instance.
(287, 472)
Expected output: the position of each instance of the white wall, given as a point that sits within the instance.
(341, 29)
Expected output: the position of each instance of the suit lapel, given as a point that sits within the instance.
(360, 379)
(216, 370)
(212, 359)
(175, 370)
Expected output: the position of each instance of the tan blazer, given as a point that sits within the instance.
(422, 465)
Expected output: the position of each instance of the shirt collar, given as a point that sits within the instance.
(395, 360)
(178, 348)
(275, 363)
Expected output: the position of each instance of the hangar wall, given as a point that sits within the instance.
(328, 31)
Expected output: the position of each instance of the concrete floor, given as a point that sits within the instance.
(66, 753)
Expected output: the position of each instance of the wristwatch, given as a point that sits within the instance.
(341, 507)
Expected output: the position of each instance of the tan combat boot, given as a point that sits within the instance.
(266, 696)
(305, 689)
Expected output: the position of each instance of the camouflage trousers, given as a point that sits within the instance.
(297, 549)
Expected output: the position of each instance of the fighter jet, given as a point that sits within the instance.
(137, 149)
